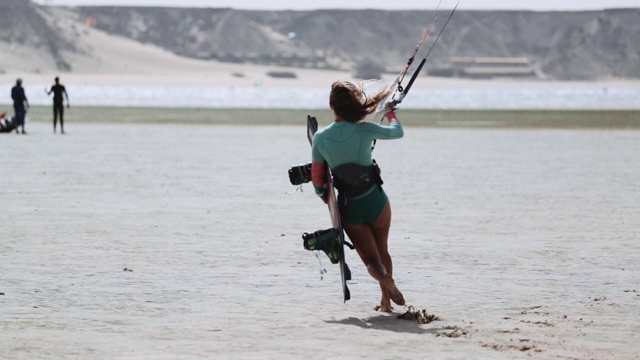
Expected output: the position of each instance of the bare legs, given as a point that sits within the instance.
(20, 114)
(58, 109)
(370, 241)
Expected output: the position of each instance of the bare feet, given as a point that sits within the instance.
(385, 302)
(383, 309)
(395, 294)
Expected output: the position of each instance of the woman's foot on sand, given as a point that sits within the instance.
(393, 291)
(386, 309)
(385, 302)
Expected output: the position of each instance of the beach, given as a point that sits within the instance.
(142, 240)
(162, 225)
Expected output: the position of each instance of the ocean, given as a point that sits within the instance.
(524, 97)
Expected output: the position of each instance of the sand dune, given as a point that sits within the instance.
(107, 59)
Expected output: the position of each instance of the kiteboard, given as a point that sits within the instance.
(337, 232)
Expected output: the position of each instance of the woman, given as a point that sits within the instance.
(345, 146)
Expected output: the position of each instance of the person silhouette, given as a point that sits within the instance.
(20, 105)
(58, 103)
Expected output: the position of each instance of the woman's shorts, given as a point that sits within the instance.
(364, 209)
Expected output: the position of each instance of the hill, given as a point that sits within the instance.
(590, 45)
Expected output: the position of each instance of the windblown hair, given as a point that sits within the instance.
(350, 102)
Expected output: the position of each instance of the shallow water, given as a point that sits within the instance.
(522, 97)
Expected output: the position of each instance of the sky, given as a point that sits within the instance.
(536, 5)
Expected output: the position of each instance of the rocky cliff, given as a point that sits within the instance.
(560, 45)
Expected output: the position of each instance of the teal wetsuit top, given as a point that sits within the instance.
(345, 142)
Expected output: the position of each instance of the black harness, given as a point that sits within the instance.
(353, 180)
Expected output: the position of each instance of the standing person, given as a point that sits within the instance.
(345, 146)
(20, 105)
(58, 103)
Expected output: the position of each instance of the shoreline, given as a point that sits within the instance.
(437, 118)
(248, 75)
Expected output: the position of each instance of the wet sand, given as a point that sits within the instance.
(512, 119)
(140, 241)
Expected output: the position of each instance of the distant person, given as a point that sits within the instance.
(20, 105)
(58, 103)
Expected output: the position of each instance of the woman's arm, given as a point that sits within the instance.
(386, 132)
(319, 179)
(318, 169)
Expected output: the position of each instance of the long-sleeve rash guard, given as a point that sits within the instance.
(345, 142)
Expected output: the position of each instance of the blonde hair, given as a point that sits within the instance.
(350, 103)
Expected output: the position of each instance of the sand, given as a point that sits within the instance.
(246, 75)
(138, 241)
(437, 118)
